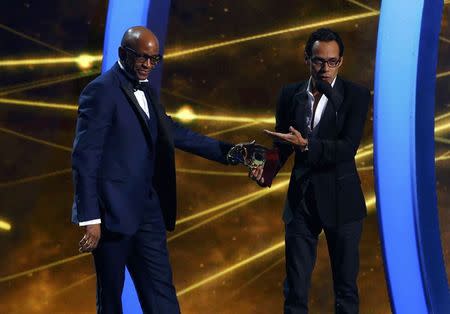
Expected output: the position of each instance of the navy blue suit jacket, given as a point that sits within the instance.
(118, 164)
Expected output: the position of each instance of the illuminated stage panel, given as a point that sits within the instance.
(404, 156)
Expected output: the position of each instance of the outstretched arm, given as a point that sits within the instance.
(198, 144)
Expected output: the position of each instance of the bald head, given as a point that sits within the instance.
(137, 36)
(138, 43)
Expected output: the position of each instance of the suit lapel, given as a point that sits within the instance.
(332, 114)
(127, 88)
(164, 133)
(298, 110)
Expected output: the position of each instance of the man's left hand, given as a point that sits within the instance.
(294, 137)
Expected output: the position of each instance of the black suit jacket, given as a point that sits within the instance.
(330, 160)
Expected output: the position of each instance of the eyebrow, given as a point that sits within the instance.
(326, 59)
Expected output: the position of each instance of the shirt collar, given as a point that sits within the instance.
(123, 69)
(308, 89)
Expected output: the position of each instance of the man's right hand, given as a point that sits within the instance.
(256, 174)
(90, 239)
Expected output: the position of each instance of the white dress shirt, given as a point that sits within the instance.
(140, 95)
(142, 100)
(320, 106)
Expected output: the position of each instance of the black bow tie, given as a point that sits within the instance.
(143, 86)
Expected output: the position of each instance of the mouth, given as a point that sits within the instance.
(143, 73)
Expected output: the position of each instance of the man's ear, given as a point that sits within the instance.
(342, 61)
(122, 54)
(307, 59)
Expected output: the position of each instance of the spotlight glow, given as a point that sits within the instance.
(5, 226)
(185, 114)
(83, 61)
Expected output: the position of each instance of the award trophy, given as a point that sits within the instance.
(254, 156)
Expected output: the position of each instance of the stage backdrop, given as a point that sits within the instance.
(225, 62)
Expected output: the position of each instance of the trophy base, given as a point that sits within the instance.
(270, 167)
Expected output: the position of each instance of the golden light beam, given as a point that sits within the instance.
(442, 116)
(188, 115)
(4, 225)
(182, 114)
(365, 152)
(231, 203)
(370, 203)
(59, 262)
(227, 270)
(360, 169)
(443, 74)
(239, 127)
(34, 178)
(187, 98)
(38, 104)
(192, 287)
(442, 140)
(45, 82)
(37, 41)
(318, 24)
(365, 147)
(43, 267)
(208, 220)
(229, 210)
(439, 129)
(444, 156)
(446, 40)
(362, 5)
(36, 140)
(256, 277)
(442, 127)
(71, 286)
(84, 61)
(179, 170)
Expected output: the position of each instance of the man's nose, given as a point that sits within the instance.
(325, 66)
(148, 63)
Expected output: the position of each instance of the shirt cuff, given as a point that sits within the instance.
(90, 222)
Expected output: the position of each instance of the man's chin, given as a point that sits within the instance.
(142, 77)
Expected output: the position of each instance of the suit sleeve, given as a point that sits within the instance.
(198, 144)
(95, 115)
(282, 125)
(323, 152)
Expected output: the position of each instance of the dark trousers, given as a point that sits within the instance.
(301, 249)
(146, 257)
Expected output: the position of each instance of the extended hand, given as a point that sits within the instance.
(294, 137)
(90, 239)
(256, 174)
